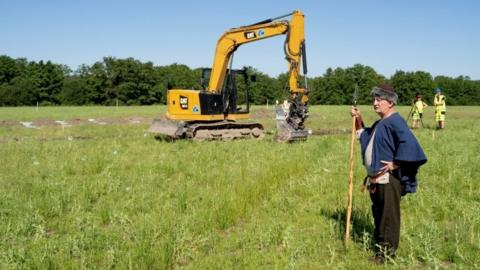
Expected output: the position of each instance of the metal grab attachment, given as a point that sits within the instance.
(285, 131)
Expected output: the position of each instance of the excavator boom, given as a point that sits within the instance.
(232, 39)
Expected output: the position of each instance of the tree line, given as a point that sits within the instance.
(132, 82)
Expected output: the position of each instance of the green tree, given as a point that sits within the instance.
(20, 92)
(407, 84)
(175, 76)
(47, 79)
(75, 91)
(129, 80)
(11, 68)
(264, 89)
(337, 86)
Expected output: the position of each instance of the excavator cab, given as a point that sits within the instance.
(232, 95)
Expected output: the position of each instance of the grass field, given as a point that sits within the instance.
(109, 196)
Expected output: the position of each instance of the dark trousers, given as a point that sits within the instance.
(386, 214)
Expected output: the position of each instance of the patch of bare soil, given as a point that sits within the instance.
(77, 121)
(131, 120)
(139, 120)
(44, 123)
(7, 123)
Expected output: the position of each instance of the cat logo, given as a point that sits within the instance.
(250, 35)
(183, 103)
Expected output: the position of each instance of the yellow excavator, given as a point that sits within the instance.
(213, 113)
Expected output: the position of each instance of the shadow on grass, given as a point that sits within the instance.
(361, 224)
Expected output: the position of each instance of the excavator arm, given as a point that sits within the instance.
(290, 119)
(232, 39)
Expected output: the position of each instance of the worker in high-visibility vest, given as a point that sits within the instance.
(417, 111)
(440, 108)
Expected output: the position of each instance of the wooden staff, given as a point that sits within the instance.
(350, 179)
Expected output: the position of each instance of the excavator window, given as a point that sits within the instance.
(236, 91)
(205, 79)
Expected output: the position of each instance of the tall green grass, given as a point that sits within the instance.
(92, 196)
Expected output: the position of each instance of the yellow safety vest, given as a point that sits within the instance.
(419, 106)
(439, 102)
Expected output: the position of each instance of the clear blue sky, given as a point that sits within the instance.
(441, 37)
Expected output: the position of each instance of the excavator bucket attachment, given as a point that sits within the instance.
(165, 128)
(285, 131)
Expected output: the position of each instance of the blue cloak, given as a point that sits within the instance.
(395, 142)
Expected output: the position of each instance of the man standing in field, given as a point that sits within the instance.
(391, 155)
(417, 111)
(440, 108)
